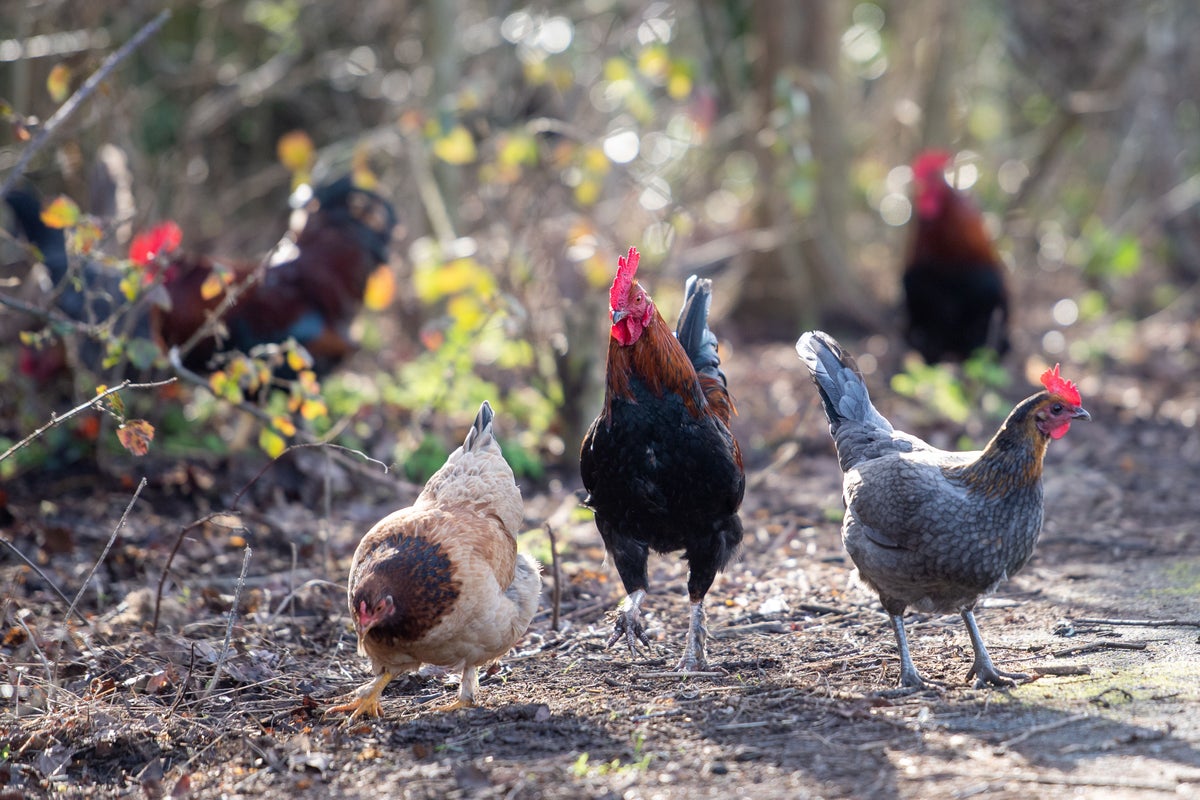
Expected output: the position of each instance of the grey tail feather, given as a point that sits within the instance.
(838, 380)
(692, 329)
(481, 427)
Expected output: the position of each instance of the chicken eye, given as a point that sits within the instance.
(1057, 408)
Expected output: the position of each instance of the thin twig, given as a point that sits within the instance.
(237, 599)
(1141, 623)
(162, 579)
(1103, 644)
(94, 402)
(53, 586)
(103, 555)
(556, 592)
(85, 91)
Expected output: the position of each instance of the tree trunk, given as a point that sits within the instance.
(804, 281)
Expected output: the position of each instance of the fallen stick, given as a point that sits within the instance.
(1141, 623)
(1103, 644)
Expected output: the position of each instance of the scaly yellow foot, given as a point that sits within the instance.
(456, 705)
(366, 700)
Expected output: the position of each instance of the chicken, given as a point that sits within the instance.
(931, 529)
(660, 467)
(441, 582)
(955, 296)
(311, 297)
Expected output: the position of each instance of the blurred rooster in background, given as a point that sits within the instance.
(954, 285)
(933, 529)
(312, 296)
(441, 582)
(661, 469)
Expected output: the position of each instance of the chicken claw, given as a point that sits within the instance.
(982, 669)
(629, 626)
(629, 623)
(365, 702)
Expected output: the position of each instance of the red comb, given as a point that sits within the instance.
(1057, 384)
(930, 163)
(626, 269)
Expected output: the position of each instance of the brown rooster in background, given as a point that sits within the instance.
(312, 296)
(441, 582)
(661, 469)
(931, 529)
(955, 296)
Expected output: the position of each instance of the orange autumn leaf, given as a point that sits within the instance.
(62, 213)
(212, 287)
(135, 436)
(381, 289)
(283, 425)
(295, 151)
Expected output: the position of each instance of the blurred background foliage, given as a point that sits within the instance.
(526, 145)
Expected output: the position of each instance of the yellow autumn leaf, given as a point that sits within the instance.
(62, 213)
(360, 169)
(130, 285)
(434, 281)
(595, 162)
(653, 62)
(85, 236)
(617, 69)
(381, 289)
(271, 443)
(313, 408)
(298, 359)
(295, 151)
(679, 82)
(456, 147)
(58, 82)
(587, 192)
(598, 271)
(518, 149)
(283, 425)
(212, 286)
(466, 311)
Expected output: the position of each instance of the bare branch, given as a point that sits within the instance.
(107, 547)
(84, 92)
(94, 402)
(53, 586)
(237, 599)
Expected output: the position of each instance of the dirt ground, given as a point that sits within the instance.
(800, 705)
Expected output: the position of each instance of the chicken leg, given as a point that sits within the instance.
(693, 659)
(983, 670)
(909, 677)
(365, 702)
(466, 690)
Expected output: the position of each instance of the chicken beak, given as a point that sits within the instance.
(1081, 413)
(618, 315)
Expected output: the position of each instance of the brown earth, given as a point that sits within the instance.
(802, 702)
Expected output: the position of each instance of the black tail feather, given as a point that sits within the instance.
(692, 328)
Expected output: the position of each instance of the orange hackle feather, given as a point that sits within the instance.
(660, 361)
(950, 232)
(1058, 385)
